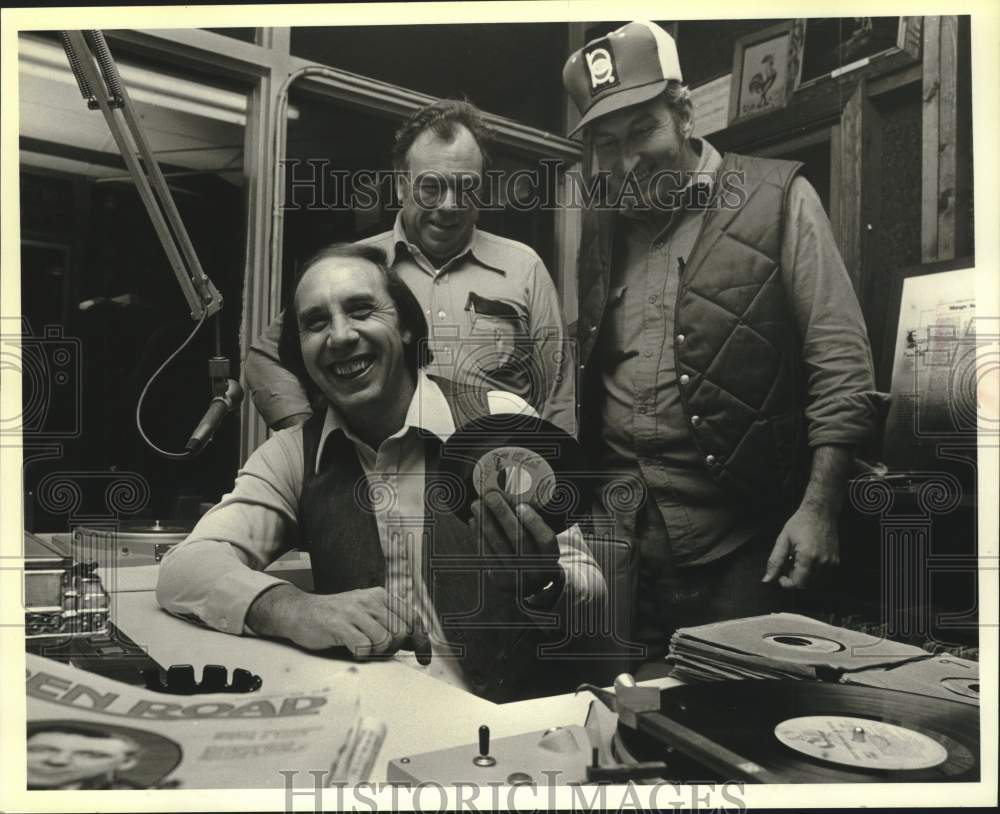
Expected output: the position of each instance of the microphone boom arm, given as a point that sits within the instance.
(97, 76)
(100, 85)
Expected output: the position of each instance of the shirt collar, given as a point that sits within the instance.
(709, 161)
(428, 411)
(478, 245)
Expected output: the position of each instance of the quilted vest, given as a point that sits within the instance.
(734, 336)
(337, 525)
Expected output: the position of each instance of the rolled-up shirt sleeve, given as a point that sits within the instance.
(843, 406)
(217, 572)
(277, 393)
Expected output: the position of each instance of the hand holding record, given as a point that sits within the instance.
(520, 542)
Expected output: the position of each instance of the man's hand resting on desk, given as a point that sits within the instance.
(369, 622)
(519, 541)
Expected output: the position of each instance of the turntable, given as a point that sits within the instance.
(138, 542)
(746, 731)
(778, 731)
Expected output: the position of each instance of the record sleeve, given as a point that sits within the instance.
(789, 643)
(947, 677)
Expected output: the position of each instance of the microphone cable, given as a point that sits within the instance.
(177, 456)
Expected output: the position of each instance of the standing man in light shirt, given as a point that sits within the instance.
(724, 363)
(352, 486)
(492, 308)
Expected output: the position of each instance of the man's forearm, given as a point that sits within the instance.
(276, 392)
(831, 468)
(268, 614)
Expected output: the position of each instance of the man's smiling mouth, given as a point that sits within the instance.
(352, 368)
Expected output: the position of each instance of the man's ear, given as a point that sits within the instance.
(687, 123)
(407, 336)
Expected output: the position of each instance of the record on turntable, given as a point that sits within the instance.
(135, 542)
(526, 458)
(802, 732)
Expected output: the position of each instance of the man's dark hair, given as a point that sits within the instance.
(416, 353)
(443, 118)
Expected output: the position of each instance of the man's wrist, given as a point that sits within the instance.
(828, 480)
(268, 614)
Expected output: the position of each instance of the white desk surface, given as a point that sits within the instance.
(423, 714)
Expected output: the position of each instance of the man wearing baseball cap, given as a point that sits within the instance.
(725, 370)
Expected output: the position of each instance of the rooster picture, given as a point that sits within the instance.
(761, 82)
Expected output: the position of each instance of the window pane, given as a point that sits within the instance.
(94, 275)
(512, 69)
(245, 34)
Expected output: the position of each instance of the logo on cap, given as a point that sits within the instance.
(601, 64)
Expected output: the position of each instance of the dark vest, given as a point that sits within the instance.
(337, 525)
(740, 347)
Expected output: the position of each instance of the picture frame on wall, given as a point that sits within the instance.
(711, 105)
(832, 47)
(765, 72)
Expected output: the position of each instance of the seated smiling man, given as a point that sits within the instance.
(349, 487)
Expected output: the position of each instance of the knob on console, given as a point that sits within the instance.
(483, 758)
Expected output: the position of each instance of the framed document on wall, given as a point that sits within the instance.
(935, 364)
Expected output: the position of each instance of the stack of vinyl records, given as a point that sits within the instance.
(790, 646)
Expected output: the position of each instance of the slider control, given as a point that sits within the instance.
(484, 758)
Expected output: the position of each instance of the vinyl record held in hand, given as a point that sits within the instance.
(526, 458)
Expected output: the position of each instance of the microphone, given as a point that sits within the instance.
(218, 409)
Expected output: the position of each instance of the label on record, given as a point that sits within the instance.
(860, 742)
(521, 473)
(804, 642)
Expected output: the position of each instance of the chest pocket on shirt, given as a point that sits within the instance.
(498, 332)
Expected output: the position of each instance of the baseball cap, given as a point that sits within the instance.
(629, 66)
